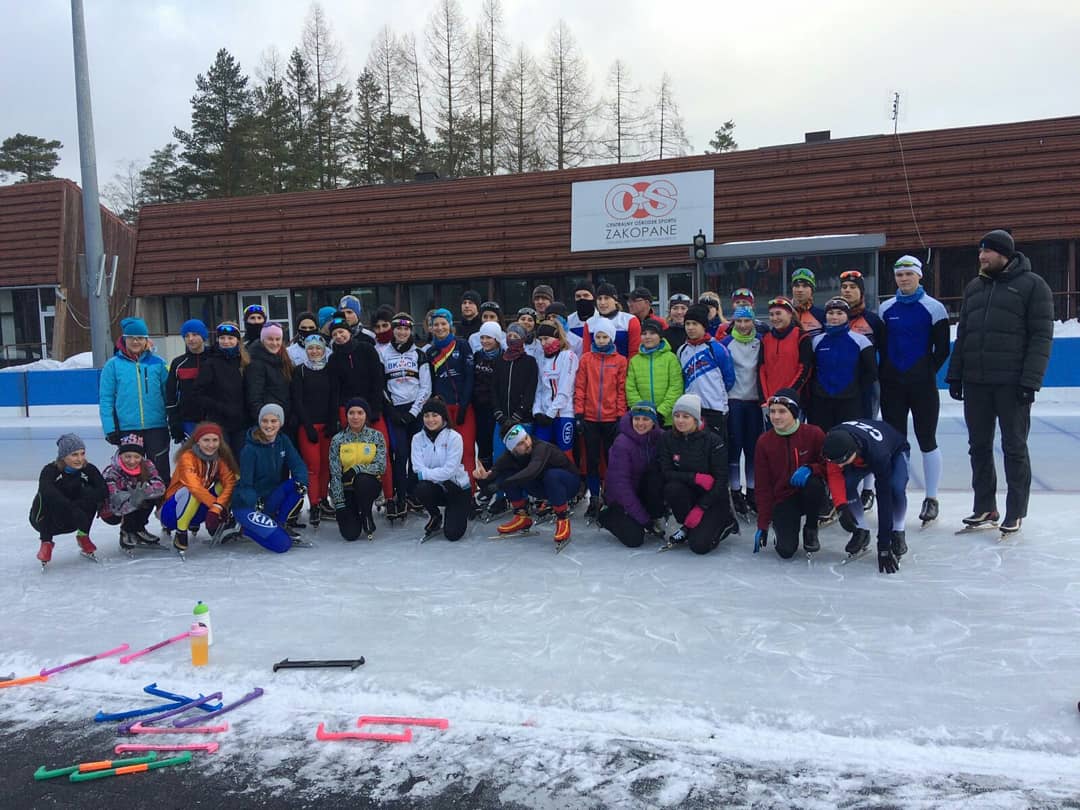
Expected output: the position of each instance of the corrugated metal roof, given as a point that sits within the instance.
(1025, 176)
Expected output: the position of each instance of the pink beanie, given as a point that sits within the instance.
(272, 330)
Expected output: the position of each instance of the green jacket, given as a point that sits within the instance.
(656, 377)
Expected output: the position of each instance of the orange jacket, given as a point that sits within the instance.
(600, 388)
(191, 472)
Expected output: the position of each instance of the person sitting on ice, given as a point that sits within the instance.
(693, 461)
(70, 492)
(790, 475)
(264, 500)
(201, 487)
(357, 465)
(854, 449)
(634, 498)
(538, 468)
(135, 488)
(438, 474)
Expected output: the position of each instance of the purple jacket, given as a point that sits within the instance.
(630, 456)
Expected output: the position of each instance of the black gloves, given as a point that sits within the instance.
(462, 412)
(956, 390)
(1025, 395)
(312, 434)
(177, 434)
(847, 520)
(402, 417)
(330, 429)
(887, 563)
(542, 420)
(113, 437)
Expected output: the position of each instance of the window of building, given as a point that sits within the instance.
(175, 309)
(20, 325)
(1051, 261)
(957, 266)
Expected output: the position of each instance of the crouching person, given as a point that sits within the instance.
(135, 488)
(438, 474)
(538, 468)
(70, 492)
(357, 465)
(273, 480)
(201, 488)
(853, 450)
(790, 474)
(634, 496)
(693, 462)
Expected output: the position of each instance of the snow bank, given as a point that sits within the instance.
(83, 360)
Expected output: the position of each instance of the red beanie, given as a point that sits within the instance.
(207, 429)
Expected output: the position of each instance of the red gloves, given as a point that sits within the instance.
(694, 517)
(704, 480)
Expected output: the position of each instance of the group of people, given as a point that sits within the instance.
(799, 421)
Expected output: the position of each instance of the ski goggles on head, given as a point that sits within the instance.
(527, 311)
(781, 400)
(908, 264)
(680, 298)
(711, 300)
(228, 330)
(405, 323)
(850, 275)
(742, 292)
(254, 309)
(782, 303)
(490, 306)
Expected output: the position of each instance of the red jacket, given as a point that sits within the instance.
(600, 388)
(776, 457)
(786, 361)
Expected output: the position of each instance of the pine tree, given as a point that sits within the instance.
(367, 133)
(301, 130)
(337, 105)
(216, 150)
(32, 157)
(272, 156)
(323, 54)
(387, 64)
(724, 139)
(160, 181)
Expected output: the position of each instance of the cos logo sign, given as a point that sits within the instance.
(259, 519)
(641, 200)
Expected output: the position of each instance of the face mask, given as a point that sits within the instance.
(585, 307)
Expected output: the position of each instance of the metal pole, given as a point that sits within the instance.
(97, 295)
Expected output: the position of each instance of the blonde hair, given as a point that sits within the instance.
(245, 358)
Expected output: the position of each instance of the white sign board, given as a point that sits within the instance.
(636, 212)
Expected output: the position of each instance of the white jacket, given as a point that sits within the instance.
(555, 386)
(440, 460)
(408, 377)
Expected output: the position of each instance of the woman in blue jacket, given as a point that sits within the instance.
(273, 480)
(131, 394)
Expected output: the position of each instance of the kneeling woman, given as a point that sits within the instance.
(357, 464)
(694, 465)
(202, 486)
(70, 492)
(439, 478)
(634, 496)
(264, 500)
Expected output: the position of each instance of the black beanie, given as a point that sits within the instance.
(839, 445)
(699, 313)
(607, 289)
(1000, 241)
(792, 395)
(471, 295)
(585, 285)
(652, 325)
(436, 405)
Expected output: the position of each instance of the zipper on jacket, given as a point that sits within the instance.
(600, 393)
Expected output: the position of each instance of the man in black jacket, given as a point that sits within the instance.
(998, 362)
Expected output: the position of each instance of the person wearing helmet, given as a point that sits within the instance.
(853, 449)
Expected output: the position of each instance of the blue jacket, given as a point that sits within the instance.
(877, 445)
(452, 377)
(916, 341)
(263, 467)
(845, 364)
(131, 395)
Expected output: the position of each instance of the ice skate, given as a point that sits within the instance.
(44, 554)
(544, 512)
(899, 544)
(87, 547)
(929, 511)
(143, 538)
(810, 542)
(739, 505)
(1010, 527)
(731, 528)
(314, 517)
(562, 532)
(396, 510)
(519, 525)
(432, 527)
(326, 511)
(496, 506)
(980, 521)
(828, 519)
(867, 498)
(857, 546)
(227, 530)
(180, 543)
(369, 526)
(677, 540)
(592, 511)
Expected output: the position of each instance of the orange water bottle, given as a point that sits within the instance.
(200, 647)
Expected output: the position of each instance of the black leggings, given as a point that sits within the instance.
(706, 535)
(599, 436)
(360, 495)
(614, 518)
(831, 411)
(924, 404)
(787, 515)
(132, 521)
(454, 498)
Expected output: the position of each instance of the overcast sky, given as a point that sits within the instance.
(779, 68)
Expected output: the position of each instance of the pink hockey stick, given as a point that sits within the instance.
(127, 659)
(82, 661)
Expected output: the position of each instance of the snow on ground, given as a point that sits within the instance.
(601, 677)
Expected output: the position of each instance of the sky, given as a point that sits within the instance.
(779, 69)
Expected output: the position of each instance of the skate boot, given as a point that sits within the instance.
(180, 543)
(929, 512)
(432, 527)
(738, 504)
(732, 527)
(1009, 527)
(899, 544)
(751, 503)
(495, 507)
(86, 546)
(677, 539)
(368, 522)
(592, 511)
(859, 543)
(44, 554)
(544, 511)
(828, 519)
(810, 542)
(979, 521)
(562, 531)
(144, 538)
(395, 510)
(314, 516)
(326, 511)
(128, 543)
(867, 499)
(520, 522)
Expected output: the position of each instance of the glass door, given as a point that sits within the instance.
(277, 304)
(663, 284)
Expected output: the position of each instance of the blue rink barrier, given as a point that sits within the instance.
(1063, 371)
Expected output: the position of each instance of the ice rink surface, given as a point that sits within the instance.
(601, 677)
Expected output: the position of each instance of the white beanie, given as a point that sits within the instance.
(908, 263)
(515, 436)
(603, 326)
(688, 403)
(491, 329)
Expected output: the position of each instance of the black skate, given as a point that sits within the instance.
(496, 506)
(369, 526)
(751, 501)
(592, 511)
(731, 528)
(828, 519)
(929, 511)
(396, 510)
(899, 544)
(979, 522)
(739, 506)
(1010, 527)
(857, 546)
(867, 498)
(677, 540)
(314, 517)
(810, 542)
(432, 527)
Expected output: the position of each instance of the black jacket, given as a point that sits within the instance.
(682, 456)
(312, 401)
(1006, 328)
(356, 371)
(483, 392)
(512, 470)
(515, 389)
(675, 335)
(265, 382)
(76, 496)
(220, 390)
(181, 403)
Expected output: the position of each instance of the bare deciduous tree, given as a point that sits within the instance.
(569, 94)
(521, 106)
(447, 42)
(323, 54)
(667, 136)
(622, 115)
